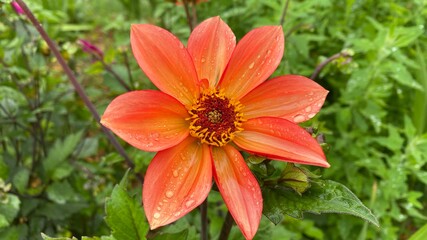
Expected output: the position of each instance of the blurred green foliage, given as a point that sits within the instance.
(57, 168)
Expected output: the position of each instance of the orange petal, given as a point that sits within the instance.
(165, 61)
(148, 120)
(177, 181)
(211, 45)
(280, 139)
(255, 58)
(292, 97)
(239, 188)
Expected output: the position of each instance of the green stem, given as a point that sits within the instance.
(204, 219)
(226, 227)
(285, 10)
(187, 13)
(326, 62)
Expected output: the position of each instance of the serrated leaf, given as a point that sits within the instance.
(59, 153)
(324, 197)
(125, 215)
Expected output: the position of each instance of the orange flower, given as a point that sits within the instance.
(213, 101)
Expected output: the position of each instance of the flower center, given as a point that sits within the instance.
(215, 118)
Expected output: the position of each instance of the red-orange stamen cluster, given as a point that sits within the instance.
(215, 118)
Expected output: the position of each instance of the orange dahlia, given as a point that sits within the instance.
(213, 101)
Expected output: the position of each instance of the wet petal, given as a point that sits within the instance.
(254, 59)
(148, 120)
(165, 61)
(211, 44)
(239, 189)
(177, 181)
(292, 97)
(280, 139)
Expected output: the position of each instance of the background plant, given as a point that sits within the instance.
(57, 167)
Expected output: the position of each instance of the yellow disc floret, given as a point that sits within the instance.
(215, 118)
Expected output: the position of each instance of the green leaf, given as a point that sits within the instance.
(59, 153)
(61, 192)
(406, 36)
(400, 74)
(323, 197)
(14, 232)
(172, 236)
(59, 211)
(125, 215)
(9, 207)
(20, 179)
(421, 234)
(3, 221)
(4, 169)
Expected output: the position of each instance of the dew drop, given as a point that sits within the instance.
(299, 118)
(308, 109)
(175, 173)
(156, 215)
(311, 115)
(203, 60)
(169, 194)
(189, 203)
(159, 208)
(252, 65)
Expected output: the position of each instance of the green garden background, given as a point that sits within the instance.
(58, 169)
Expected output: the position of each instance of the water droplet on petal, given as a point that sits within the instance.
(311, 115)
(299, 118)
(252, 65)
(308, 109)
(169, 194)
(189, 203)
(203, 60)
(156, 215)
(175, 173)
